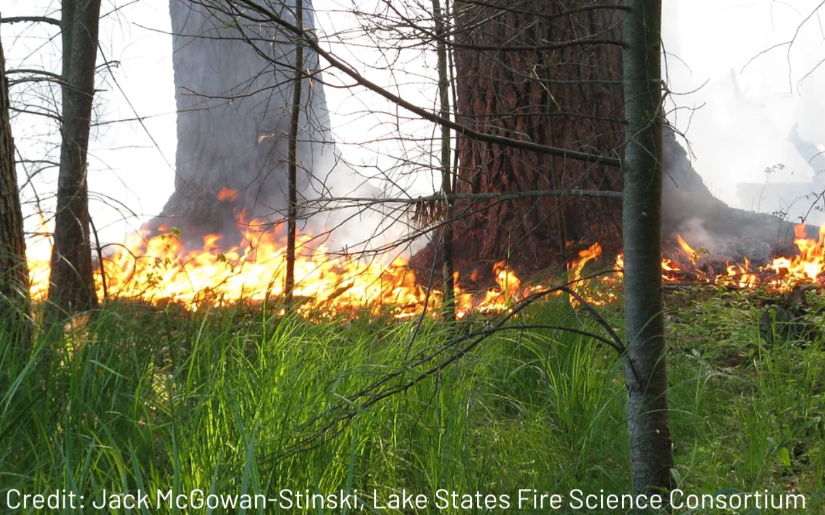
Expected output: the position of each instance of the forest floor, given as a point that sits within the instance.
(227, 402)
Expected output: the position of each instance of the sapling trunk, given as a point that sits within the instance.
(645, 364)
(292, 172)
(447, 268)
(71, 285)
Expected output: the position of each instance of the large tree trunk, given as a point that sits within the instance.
(233, 87)
(72, 287)
(645, 365)
(569, 96)
(14, 274)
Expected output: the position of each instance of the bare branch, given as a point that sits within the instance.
(31, 19)
(268, 15)
(467, 196)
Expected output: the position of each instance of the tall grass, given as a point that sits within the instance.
(146, 398)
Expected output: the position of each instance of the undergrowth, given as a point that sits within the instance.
(156, 398)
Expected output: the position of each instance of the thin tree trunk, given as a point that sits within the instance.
(292, 172)
(645, 364)
(446, 177)
(14, 274)
(72, 287)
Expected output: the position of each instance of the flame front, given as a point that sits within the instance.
(782, 273)
(160, 269)
(807, 266)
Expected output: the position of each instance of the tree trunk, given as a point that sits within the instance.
(14, 274)
(294, 125)
(72, 287)
(645, 364)
(569, 97)
(447, 236)
(234, 92)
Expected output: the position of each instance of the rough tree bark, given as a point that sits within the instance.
(71, 285)
(14, 274)
(645, 363)
(234, 90)
(568, 97)
(519, 76)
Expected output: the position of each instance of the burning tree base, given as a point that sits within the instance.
(168, 268)
(689, 210)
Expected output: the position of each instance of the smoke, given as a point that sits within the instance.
(693, 231)
(739, 108)
(234, 92)
(753, 124)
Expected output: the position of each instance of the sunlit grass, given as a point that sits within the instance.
(161, 399)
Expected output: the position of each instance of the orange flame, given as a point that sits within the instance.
(162, 269)
(586, 255)
(691, 254)
(227, 195)
(807, 266)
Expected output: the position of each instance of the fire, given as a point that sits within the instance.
(807, 266)
(782, 273)
(692, 255)
(576, 268)
(585, 256)
(254, 271)
(227, 195)
(507, 281)
(509, 289)
(740, 275)
(161, 269)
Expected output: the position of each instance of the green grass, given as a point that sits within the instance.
(161, 399)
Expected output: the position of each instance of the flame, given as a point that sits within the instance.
(586, 255)
(599, 298)
(161, 269)
(255, 271)
(227, 195)
(692, 255)
(807, 266)
(507, 281)
(782, 273)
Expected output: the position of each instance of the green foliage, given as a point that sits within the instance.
(746, 414)
(158, 398)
